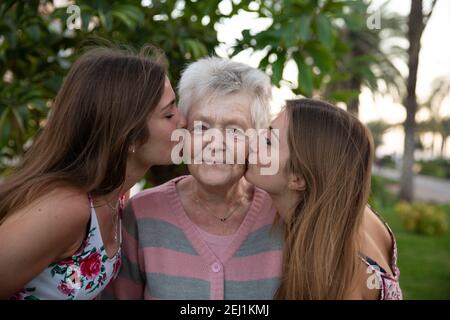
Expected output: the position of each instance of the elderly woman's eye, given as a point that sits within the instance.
(235, 131)
(169, 116)
(200, 128)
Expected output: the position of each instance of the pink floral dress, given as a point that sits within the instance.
(83, 276)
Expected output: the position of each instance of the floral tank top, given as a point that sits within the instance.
(83, 276)
(389, 284)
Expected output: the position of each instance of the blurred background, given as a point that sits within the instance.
(385, 61)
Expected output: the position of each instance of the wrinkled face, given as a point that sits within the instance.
(217, 132)
(275, 137)
(161, 123)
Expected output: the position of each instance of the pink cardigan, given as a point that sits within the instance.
(165, 257)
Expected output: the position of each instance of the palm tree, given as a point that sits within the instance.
(416, 24)
(445, 133)
(440, 92)
(378, 128)
(428, 126)
(368, 63)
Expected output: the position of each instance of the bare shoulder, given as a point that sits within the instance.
(61, 215)
(68, 203)
(70, 199)
(377, 244)
(47, 230)
(378, 239)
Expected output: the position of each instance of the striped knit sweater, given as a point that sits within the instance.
(165, 257)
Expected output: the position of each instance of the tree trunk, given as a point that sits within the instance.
(433, 144)
(353, 104)
(443, 143)
(415, 29)
(354, 82)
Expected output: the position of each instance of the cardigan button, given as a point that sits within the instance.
(215, 267)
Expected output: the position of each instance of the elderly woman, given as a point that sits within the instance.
(207, 235)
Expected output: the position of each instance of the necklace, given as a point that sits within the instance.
(114, 214)
(115, 211)
(205, 206)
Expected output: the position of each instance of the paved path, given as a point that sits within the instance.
(425, 188)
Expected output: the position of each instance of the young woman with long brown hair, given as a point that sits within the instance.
(335, 247)
(60, 228)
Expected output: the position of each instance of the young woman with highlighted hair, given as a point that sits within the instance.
(60, 211)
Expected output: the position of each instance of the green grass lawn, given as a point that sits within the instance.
(424, 261)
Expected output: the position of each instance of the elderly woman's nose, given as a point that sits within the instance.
(251, 142)
(181, 120)
(218, 145)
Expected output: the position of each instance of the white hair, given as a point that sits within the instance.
(213, 76)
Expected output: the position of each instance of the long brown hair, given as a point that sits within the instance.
(100, 111)
(332, 151)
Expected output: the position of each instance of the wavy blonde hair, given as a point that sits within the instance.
(332, 150)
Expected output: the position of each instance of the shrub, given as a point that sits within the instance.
(422, 218)
(439, 168)
(379, 194)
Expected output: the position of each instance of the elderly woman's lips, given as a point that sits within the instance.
(217, 162)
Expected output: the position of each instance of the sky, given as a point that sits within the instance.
(434, 61)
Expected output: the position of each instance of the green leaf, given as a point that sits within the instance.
(322, 57)
(39, 104)
(196, 48)
(290, 34)
(133, 12)
(34, 32)
(277, 70)
(304, 27)
(125, 19)
(324, 31)
(128, 14)
(106, 20)
(19, 120)
(344, 95)
(305, 76)
(354, 22)
(5, 127)
(85, 19)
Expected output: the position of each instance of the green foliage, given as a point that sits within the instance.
(422, 218)
(379, 195)
(329, 42)
(303, 32)
(439, 168)
(386, 161)
(424, 261)
(37, 49)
